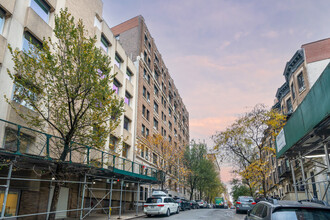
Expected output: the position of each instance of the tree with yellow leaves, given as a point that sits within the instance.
(244, 142)
(165, 156)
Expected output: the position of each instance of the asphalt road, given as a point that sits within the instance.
(218, 214)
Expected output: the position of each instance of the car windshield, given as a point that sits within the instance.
(301, 214)
(246, 199)
(198, 200)
(154, 200)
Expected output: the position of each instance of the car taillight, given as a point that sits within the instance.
(238, 202)
(160, 205)
(145, 205)
(190, 203)
(253, 203)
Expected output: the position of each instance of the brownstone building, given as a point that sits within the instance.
(160, 109)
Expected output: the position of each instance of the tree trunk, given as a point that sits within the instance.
(56, 193)
(264, 185)
(58, 172)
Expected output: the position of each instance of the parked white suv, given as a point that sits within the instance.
(202, 203)
(160, 205)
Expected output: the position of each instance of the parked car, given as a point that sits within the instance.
(194, 204)
(244, 203)
(160, 205)
(284, 209)
(201, 203)
(183, 203)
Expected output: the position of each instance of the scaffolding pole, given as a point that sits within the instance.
(326, 152)
(137, 199)
(82, 199)
(6, 192)
(110, 198)
(294, 180)
(303, 176)
(49, 200)
(121, 197)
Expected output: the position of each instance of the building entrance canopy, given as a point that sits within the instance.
(309, 126)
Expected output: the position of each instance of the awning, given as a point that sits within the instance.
(309, 125)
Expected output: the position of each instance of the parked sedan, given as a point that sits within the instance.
(282, 210)
(201, 203)
(194, 204)
(183, 203)
(244, 203)
(160, 206)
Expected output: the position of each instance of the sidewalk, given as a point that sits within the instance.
(126, 215)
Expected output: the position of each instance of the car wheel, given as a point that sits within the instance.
(168, 213)
(177, 211)
(148, 215)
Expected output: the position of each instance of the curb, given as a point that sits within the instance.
(135, 217)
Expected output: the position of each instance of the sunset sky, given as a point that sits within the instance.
(225, 56)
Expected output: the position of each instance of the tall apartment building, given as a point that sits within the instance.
(34, 19)
(301, 73)
(22, 20)
(160, 109)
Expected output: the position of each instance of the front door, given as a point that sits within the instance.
(62, 203)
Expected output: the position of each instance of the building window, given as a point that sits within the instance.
(144, 92)
(147, 132)
(113, 143)
(156, 107)
(289, 105)
(154, 158)
(148, 113)
(147, 154)
(12, 202)
(148, 96)
(293, 92)
(104, 43)
(128, 98)
(129, 75)
(146, 76)
(175, 133)
(301, 82)
(142, 152)
(41, 8)
(126, 123)
(169, 139)
(156, 76)
(118, 60)
(116, 86)
(28, 40)
(156, 90)
(143, 131)
(145, 39)
(169, 112)
(175, 120)
(2, 19)
(145, 56)
(144, 111)
(125, 150)
(155, 124)
(170, 125)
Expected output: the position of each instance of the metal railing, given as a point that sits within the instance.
(21, 140)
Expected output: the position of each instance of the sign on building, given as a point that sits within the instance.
(280, 141)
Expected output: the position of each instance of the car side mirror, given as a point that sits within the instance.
(248, 212)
